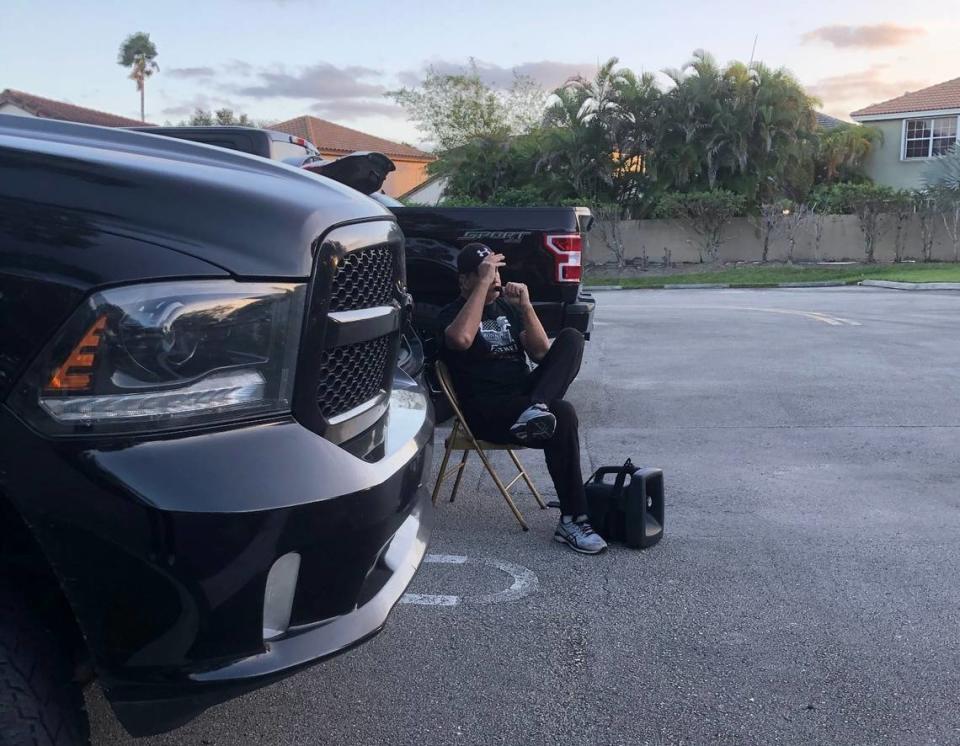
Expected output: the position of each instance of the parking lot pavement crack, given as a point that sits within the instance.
(607, 591)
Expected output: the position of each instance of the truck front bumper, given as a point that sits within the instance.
(165, 548)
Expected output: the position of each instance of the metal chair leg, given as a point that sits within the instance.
(526, 478)
(443, 464)
(456, 483)
(503, 490)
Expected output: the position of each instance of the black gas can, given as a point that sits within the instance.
(626, 504)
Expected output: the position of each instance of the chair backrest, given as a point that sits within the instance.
(446, 385)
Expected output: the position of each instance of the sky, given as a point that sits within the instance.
(277, 59)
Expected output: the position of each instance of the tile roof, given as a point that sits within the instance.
(827, 122)
(50, 109)
(941, 96)
(328, 136)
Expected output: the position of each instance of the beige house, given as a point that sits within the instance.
(917, 127)
(335, 140)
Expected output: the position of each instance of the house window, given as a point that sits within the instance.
(928, 138)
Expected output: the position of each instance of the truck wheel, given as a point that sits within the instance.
(40, 705)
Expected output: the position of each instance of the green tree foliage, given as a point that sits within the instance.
(946, 202)
(842, 151)
(706, 213)
(720, 141)
(867, 201)
(599, 135)
(455, 109)
(942, 194)
(139, 54)
(221, 117)
(945, 171)
(745, 128)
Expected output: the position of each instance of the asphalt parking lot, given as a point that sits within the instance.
(806, 589)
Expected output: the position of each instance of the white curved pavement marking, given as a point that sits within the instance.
(524, 582)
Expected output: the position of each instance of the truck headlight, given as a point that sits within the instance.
(167, 355)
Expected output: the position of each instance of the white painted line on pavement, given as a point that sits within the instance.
(525, 582)
(444, 559)
(428, 599)
(813, 315)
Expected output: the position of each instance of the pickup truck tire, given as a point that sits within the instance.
(40, 705)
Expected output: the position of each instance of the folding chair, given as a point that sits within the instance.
(462, 439)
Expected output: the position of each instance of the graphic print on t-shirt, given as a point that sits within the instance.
(498, 335)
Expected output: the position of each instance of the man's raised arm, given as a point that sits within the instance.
(463, 329)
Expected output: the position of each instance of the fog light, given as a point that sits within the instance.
(278, 596)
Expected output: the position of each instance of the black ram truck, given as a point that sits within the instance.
(543, 246)
(211, 465)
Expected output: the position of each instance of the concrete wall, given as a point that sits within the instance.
(884, 165)
(841, 240)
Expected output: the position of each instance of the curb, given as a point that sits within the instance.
(720, 285)
(818, 284)
(891, 285)
(695, 285)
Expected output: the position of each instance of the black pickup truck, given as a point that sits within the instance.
(212, 466)
(543, 246)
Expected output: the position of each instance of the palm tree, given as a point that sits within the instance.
(945, 170)
(742, 127)
(843, 150)
(139, 54)
(576, 141)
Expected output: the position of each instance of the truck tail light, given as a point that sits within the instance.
(566, 249)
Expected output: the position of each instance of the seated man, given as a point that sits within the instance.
(485, 338)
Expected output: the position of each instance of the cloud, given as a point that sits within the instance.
(200, 101)
(349, 109)
(190, 72)
(850, 91)
(238, 67)
(548, 73)
(320, 81)
(869, 37)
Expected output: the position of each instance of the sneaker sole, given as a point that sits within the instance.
(561, 540)
(538, 428)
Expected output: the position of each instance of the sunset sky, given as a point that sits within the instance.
(276, 59)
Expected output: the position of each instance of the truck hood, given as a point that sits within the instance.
(247, 215)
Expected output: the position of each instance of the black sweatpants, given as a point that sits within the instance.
(491, 418)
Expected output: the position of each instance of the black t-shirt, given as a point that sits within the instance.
(495, 364)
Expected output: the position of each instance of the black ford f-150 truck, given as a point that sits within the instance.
(543, 246)
(211, 466)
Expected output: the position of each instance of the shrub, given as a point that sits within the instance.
(706, 213)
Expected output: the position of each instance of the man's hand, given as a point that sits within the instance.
(517, 294)
(487, 271)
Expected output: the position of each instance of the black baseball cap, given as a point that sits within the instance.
(471, 256)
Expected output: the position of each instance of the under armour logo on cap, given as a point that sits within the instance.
(471, 256)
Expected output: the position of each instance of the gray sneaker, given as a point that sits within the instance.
(534, 423)
(579, 535)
